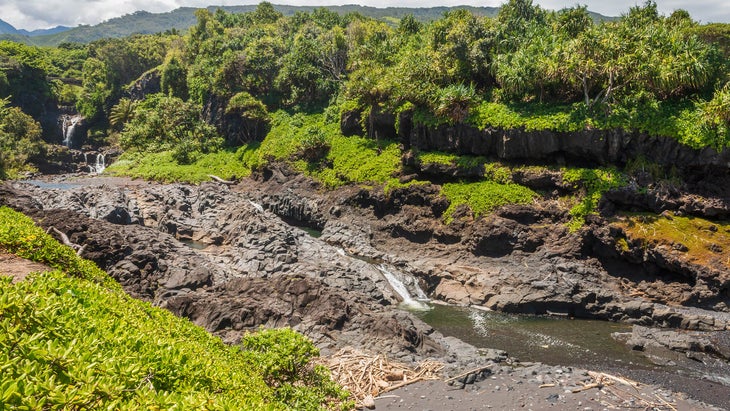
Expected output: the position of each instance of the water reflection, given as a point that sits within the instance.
(549, 340)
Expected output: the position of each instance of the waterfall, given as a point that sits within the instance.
(400, 281)
(99, 166)
(68, 127)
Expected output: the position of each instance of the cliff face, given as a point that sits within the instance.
(591, 147)
(598, 147)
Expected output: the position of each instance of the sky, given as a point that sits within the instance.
(38, 14)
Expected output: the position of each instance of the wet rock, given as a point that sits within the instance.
(713, 343)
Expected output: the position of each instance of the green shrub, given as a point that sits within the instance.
(484, 196)
(595, 182)
(20, 236)
(69, 343)
(284, 357)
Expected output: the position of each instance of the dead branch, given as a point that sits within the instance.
(220, 180)
(587, 387)
(474, 371)
(65, 240)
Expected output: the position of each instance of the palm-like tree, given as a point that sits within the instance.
(122, 113)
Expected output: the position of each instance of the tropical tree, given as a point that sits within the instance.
(122, 113)
(20, 140)
(168, 123)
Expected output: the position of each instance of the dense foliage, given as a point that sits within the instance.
(259, 84)
(79, 342)
(20, 139)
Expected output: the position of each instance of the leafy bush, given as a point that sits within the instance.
(595, 182)
(483, 196)
(20, 139)
(69, 343)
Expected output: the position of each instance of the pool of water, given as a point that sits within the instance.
(555, 341)
(51, 185)
(197, 245)
(313, 232)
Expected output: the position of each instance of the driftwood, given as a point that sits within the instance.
(465, 374)
(220, 180)
(368, 375)
(65, 240)
(587, 387)
(612, 384)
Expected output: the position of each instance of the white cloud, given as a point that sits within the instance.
(33, 14)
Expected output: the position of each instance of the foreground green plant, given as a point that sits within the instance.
(70, 343)
(20, 236)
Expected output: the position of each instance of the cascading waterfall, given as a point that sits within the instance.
(99, 166)
(68, 127)
(400, 283)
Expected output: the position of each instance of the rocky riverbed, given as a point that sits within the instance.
(252, 265)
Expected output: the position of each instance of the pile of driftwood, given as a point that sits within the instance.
(368, 375)
(624, 390)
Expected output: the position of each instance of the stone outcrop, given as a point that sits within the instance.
(148, 83)
(601, 147)
(662, 272)
(591, 147)
(716, 344)
(520, 259)
(256, 270)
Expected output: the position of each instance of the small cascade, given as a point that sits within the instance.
(68, 127)
(100, 164)
(400, 282)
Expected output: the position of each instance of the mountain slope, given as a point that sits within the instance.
(182, 18)
(7, 28)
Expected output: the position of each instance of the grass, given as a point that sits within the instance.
(531, 117)
(226, 164)
(595, 182)
(359, 160)
(70, 343)
(484, 196)
(707, 243)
